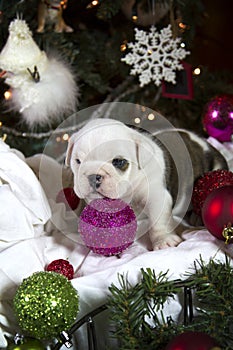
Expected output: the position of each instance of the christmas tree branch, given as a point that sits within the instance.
(135, 308)
(137, 311)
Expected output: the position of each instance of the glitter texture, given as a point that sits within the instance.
(63, 267)
(206, 184)
(46, 304)
(218, 118)
(108, 226)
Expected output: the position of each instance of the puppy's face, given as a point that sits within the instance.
(104, 157)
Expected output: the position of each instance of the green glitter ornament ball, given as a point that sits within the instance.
(46, 304)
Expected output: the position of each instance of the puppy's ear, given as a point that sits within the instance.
(144, 152)
(69, 151)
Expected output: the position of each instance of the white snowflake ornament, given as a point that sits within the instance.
(155, 56)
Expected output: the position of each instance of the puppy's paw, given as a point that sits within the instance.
(166, 241)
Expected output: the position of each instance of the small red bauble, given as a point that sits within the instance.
(218, 118)
(63, 267)
(192, 341)
(217, 213)
(206, 184)
(68, 197)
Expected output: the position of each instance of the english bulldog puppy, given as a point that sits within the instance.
(154, 173)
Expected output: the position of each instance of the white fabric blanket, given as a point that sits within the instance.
(26, 249)
(24, 208)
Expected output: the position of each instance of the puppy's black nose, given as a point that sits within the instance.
(95, 180)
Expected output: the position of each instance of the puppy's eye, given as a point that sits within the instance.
(78, 161)
(120, 163)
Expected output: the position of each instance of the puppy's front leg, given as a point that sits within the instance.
(162, 227)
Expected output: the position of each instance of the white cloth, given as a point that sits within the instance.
(94, 273)
(24, 208)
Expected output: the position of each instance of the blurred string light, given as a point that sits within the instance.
(143, 114)
(151, 116)
(197, 71)
(182, 26)
(92, 4)
(123, 46)
(63, 133)
(65, 137)
(7, 95)
(134, 12)
(63, 4)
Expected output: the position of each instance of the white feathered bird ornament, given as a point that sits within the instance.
(43, 88)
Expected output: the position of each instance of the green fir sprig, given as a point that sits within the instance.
(213, 285)
(137, 310)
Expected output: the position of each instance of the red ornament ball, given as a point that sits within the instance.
(217, 211)
(107, 226)
(218, 118)
(204, 185)
(63, 267)
(68, 197)
(192, 341)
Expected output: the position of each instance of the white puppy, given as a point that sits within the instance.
(110, 159)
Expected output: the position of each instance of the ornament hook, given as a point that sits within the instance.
(66, 339)
(228, 232)
(18, 339)
(35, 74)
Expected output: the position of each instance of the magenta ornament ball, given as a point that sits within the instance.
(107, 226)
(218, 118)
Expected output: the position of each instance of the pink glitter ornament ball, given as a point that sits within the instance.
(218, 118)
(108, 226)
